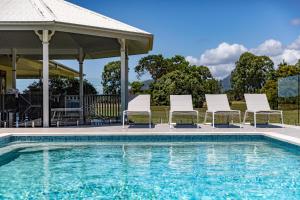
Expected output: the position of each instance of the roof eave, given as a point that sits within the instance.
(80, 29)
(105, 32)
(62, 66)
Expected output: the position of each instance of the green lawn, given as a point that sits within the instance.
(160, 114)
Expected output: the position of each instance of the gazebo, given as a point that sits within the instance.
(57, 29)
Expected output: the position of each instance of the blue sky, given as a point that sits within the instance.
(209, 32)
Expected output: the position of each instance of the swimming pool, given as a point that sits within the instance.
(211, 168)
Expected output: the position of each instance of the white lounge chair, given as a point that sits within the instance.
(258, 104)
(181, 104)
(218, 104)
(140, 105)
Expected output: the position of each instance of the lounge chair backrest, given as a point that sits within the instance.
(181, 103)
(140, 103)
(217, 102)
(257, 102)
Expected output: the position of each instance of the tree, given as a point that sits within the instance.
(157, 65)
(177, 63)
(298, 64)
(285, 70)
(111, 78)
(136, 87)
(63, 86)
(72, 87)
(271, 86)
(270, 89)
(194, 80)
(251, 73)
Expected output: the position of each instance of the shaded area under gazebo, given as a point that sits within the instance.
(56, 29)
(32, 69)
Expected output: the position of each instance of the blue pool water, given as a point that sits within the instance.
(201, 170)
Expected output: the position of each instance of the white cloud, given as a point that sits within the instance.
(221, 60)
(269, 48)
(295, 22)
(291, 56)
(225, 53)
(221, 71)
(192, 60)
(295, 44)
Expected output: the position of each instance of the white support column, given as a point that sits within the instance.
(126, 79)
(45, 37)
(14, 69)
(81, 91)
(124, 75)
(45, 78)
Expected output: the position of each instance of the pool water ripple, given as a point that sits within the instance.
(204, 170)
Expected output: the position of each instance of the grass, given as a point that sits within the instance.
(160, 114)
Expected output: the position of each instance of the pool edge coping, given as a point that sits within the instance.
(272, 135)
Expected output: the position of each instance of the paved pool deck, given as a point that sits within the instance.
(289, 133)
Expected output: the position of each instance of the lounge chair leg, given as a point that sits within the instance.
(170, 119)
(123, 119)
(281, 116)
(205, 117)
(197, 119)
(228, 120)
(149, 120)
(240, 118)
(254, 119)
(213, 119)
(245, 116)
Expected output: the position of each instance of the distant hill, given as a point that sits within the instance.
(226, 85)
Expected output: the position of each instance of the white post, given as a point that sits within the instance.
(81, 96)
(45, 78)
(45, 37)
(126, 79)
(124, 75)
(14, 69)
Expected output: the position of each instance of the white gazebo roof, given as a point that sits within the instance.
(75, 27)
